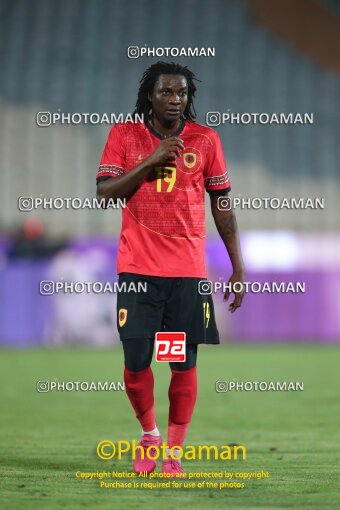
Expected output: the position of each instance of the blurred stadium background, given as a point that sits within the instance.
(70, 56)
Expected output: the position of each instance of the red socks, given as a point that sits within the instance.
(139, 388)
(182, 396)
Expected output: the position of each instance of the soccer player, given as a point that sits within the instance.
(162, 167)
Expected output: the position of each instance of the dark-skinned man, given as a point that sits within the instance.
(163, 167)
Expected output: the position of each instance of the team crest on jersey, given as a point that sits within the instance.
(189, 159)
(122, 316)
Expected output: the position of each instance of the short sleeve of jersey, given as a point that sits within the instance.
(112, 163)
(215, 171)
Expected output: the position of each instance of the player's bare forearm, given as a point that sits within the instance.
(226, 224)
(227, 228)
(124, 185)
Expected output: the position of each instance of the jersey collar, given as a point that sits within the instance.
(175, 133)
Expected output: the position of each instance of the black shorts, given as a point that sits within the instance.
(169, 304)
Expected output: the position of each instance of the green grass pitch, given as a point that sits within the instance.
(295, 436)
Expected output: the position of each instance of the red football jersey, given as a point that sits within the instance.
(163, 230)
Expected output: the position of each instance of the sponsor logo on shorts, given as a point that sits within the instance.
(170, 346)
(122, 316)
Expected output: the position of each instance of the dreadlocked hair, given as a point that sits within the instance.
(149, 78)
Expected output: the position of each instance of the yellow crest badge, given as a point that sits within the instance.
(122, 316)
(189, 159)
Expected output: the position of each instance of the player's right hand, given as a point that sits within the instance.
(168, 150)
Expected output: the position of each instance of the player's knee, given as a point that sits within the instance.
(137, 354)
(189, 363)
(137, 365)
(182, 367)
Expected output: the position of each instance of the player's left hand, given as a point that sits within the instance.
(238, 292)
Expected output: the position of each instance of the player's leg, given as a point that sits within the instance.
(138, 378)
(139, 385)
(182, 398)
(139, 316)
(189, 311)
